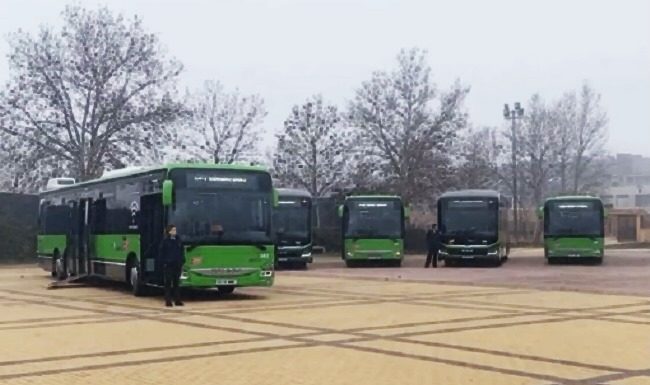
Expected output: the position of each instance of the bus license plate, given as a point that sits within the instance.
(226, 282)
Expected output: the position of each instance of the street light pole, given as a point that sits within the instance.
(513, 115)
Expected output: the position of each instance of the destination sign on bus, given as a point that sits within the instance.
(375, 205)
(225, 180)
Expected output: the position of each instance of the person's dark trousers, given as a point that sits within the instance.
(172, 278)
(432, 258)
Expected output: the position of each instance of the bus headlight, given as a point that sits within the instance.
(493, 252)
(306, 254)
(184, 275)
(266, 273)
(349, 254)
(397, 253)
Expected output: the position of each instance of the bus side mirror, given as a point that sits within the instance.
(606, 213)
(540, 212)
(167, 192)
(407, 211)
(276, 198)
(341, 211)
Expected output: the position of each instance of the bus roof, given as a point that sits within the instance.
(293, 192)
(572, 198)
(471, 194)
(138, 170)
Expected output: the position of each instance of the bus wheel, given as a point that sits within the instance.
(135, 281)
(552, 260)
(226, 289)
(301, 265)
(350, 263)
(59, 267)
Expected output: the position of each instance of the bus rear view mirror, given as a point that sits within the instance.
(407, 211)
(341, 211)
(167, 192)
(540, 212)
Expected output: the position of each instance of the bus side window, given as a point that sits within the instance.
(99, 217)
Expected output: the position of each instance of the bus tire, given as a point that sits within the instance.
(225, 290)
(59, 266)
(301, 265)
(552, 260)
(350, 263)
(135, 278)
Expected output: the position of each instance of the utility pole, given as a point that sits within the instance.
(513, 115)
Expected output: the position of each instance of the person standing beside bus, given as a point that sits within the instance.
(172, 257)
(433, 244)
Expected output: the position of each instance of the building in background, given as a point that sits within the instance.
(629, 186)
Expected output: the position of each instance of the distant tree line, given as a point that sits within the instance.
(101, 93)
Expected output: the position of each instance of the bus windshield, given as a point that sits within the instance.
(292, 219)
(374, 219)
(470, 218)
(214, 206)
(574, 218)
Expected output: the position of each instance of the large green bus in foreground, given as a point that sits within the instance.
(111, 227)
(473, 225)
(292, 226)
(373, 229)
(574, 227)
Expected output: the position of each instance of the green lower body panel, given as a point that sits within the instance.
(574, 247)
(374, 249)
(240, 266)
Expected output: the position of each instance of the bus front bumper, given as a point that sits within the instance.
(227, 277)
(294, 256)
(374, 255)
(574, 253)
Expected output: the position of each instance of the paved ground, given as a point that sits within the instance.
(335, 326)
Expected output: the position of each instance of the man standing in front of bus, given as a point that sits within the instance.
(433, 240)
(171, 254)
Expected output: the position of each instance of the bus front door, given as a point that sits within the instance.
(151, 227)
(77, 259)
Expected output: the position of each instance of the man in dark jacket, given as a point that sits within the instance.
(433, 244)
(172, 256)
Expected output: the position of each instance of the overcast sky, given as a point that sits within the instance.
(287, 50)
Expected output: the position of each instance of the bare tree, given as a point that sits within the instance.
(537, 141)
(564, 117)
(314, 148)
(478, 159)
(402, 133)
(222, 127)
(590, 136)
(88, 95)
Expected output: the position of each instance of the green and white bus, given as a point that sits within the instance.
(574, 227)
(292, 226)
(373, 229)
(473, 225)
(111, 227)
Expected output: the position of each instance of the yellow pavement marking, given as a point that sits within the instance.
(519, 364)
(593, 342)
(89, 338)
